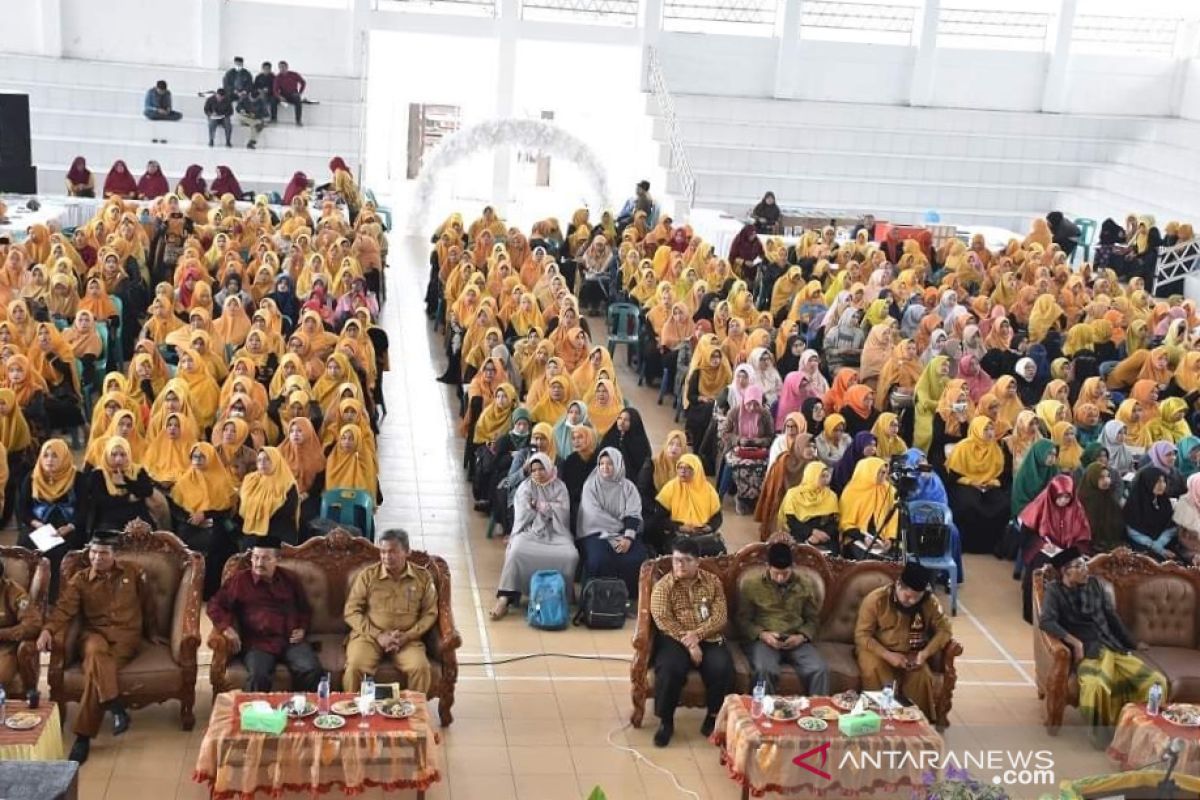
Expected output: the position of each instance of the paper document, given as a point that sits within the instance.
(46, 538)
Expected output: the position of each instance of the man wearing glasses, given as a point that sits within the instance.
(688, 607)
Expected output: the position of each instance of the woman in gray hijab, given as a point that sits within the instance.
(541, 535)
(610, 517)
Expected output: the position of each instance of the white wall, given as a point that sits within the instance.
(314, 41)
(1190, 107)
(992, 79)
(22, 28)
(1115, 84)
(838, 71)
(143, 31)
(694, 63)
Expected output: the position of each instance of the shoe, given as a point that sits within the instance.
(299, 124)
(80, 750)
(121, 720)
(706, 727)
(210, 144)
(154, 141)
(229, 144)
(662, 736)
(251, 145)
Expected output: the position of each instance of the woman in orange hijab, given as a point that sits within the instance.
(301, 449)
(836, 396)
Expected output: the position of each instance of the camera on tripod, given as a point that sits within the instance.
(925, 532)
(904, 476)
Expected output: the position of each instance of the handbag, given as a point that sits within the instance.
(751, 453)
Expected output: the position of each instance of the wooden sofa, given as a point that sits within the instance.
(1159, 603)
(161, 670)
(31, 572)
(326, 566)
(842, 584)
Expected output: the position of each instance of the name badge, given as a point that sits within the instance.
(704, 609)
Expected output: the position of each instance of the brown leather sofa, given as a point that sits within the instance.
(326, 566)
(842, 585)
(1159, 603)
(31, 572)
(160, 671)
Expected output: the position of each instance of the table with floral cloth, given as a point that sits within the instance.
(760, 754)
(1141, 739)
(40, 743)
(391, 754)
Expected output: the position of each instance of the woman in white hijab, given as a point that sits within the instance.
(766, 376)
(610, 518)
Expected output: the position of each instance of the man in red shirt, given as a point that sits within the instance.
(267, 605)
(289, 86)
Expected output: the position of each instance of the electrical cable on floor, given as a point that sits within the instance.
(638, 755)
(528, 656)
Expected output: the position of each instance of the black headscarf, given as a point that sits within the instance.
(634, 445)
(789, 362)
(767, 211)
(1145, 511)
(806, 408)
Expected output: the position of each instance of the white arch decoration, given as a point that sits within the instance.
(532, 134)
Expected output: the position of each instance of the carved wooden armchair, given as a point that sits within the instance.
(326, 567)
(159, 672)
(841, 584)
(31, 572)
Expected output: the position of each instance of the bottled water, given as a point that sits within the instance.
(323, 694)
(756, 703)
(1154, 701)
(3, 703)
(368, 691)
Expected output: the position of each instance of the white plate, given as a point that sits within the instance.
(329, 722)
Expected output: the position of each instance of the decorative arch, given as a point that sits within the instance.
(532, 134)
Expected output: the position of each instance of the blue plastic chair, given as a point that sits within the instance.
(624, 327)
(927, 511)
(350, 507)
(1087, 234)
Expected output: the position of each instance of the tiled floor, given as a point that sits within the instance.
(551, 728)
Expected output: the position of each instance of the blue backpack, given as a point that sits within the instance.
(547, 601)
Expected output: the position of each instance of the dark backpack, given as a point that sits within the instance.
(602, 604)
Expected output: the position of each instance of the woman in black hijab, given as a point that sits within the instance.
(1148, 514)
(745, 248)
(628, 435)
(813, 410)
(766, 214)
(789, 362)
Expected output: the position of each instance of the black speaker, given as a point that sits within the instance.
(18, 178)
(14, 130)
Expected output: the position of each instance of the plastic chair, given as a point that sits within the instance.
(927, 511)
(1087, 233)
(104, 359)
(118, 346)
(624, 327)
(352, 507)
(62, 324)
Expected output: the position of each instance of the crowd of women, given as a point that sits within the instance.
(224, 360)
(1051, 405)
(153, 184)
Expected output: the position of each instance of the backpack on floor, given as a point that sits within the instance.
(602, 604)
(547, 601)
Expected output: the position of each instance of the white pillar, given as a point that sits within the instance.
(1186, 42)
(1054, 92)
(51, 28)
(652, 11)
(356, 56)
(788, 51)
(920, 92)
(208, 40)
(506, 75)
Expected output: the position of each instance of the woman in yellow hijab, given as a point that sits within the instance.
(167, 453)
(201, 503)
(1171, 423)
(887, 436)
(604, 407)
(203, 392)
(553, 405)
(809, 511)
(349, 467)
(866, 510)
(269, 502)
(118, 489)
(1070, 452)
(124, 424)
(1137, 427)
(689, 500)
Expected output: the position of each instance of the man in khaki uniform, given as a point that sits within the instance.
(20, 619)
(115, 601)
(390, 607)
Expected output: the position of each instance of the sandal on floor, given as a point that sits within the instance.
(496, 614)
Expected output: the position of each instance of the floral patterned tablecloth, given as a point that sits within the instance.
(762, 756)
(1142, 739)
(391, 754)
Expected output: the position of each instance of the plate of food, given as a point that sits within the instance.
(22, 721)
(784, 710)
(345, 708)
(907, 714)
(296, 712)
(329, 722)
(845, 700)
(396, 709)
(1186, 715)
(825, 713)
(812, 724)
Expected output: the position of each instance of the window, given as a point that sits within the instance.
(867, 21)
(305, 3)
(994, 25)
(477, 8)
(604, 12)
(739, 17)
(1152, 28)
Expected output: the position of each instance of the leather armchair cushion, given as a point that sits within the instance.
(843, 667)
(1181, 666)
(315, 582)
(1164, 612)
(152, 671)
(164, 576)
(839, 627)
(18, 571)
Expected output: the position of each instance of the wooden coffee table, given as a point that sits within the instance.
(1141, 739)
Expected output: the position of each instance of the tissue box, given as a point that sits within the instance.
(261, 718)
(858, 724)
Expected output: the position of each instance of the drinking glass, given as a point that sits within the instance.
(889, 693)
(364, 710)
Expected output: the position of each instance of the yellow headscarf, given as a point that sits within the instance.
(14, 428)
(692, 503)
(166, 458)
(204, 489)
(262, 495)
(977, 461)
(130, 470)
(47, 487)
(350, 469)
(866, 502)
(1174, 431)
(603, 417)
(886, 444)
(1070, 456)
(809, 498)
(664, 467)
(496, 419)
(545, 429)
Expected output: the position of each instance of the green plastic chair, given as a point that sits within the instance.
(624, 320)
(350, 507)
(1087, 234)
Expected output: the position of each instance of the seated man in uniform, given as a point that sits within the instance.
(1078, 611)
(778, 614)
(899, 627)
(20, 619)
(116, 603)
(268, 607)
(689, 609)
(390, 607)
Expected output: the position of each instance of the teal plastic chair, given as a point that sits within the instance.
(624, 326)
(351, 507)
(105, 357)
(62, 324)
(1087, 234)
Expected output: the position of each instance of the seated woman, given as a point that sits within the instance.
(201, 503)
(628, 435)
(858, 409)
(610, 518)
(862, 446)
(168, 455)
(656, 473)
(1100, 495)
(1186, 517)
(120, 182)
(676, 330)
(1149, 517)
(710, 373)
(541, 535)
(748, 431)
(80, 180)
(117, 491)
(784, 474)
(230, 439)
(269, 503)
(576, 415)
(867, 518)
(1054, 521)
(301, 449)
(351, 466)
(688, 505)
(577, 464)
(833, 441)
(809, 511)
(950, 421)
(53, 494)
(52, 362)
